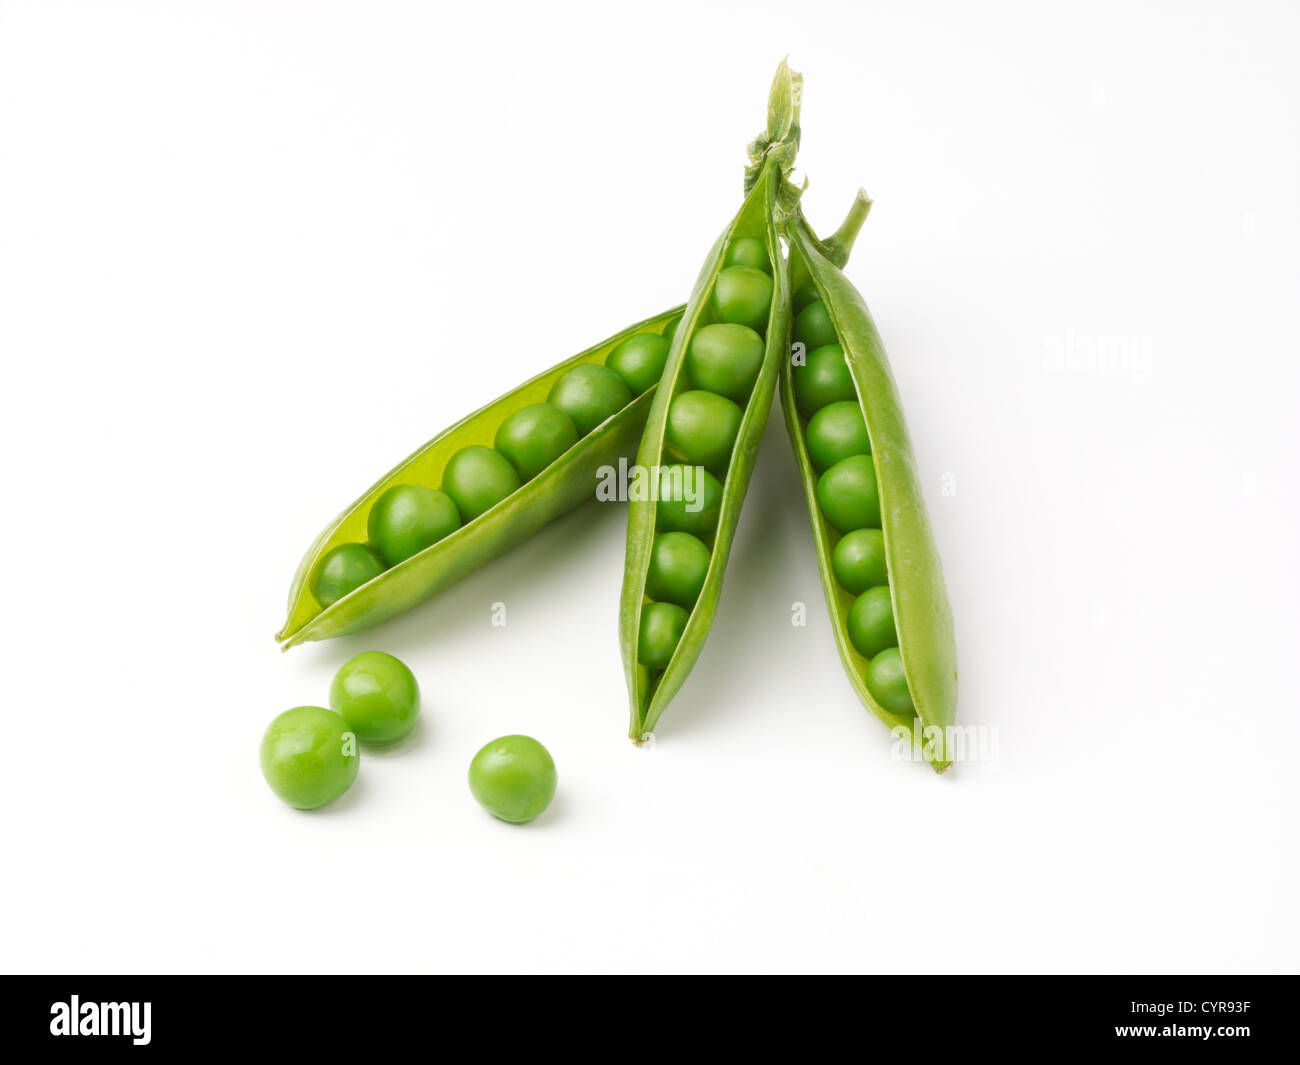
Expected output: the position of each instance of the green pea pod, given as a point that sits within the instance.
(917, 678)
(665, 615)
(559, 488)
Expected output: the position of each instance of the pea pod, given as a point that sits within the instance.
(879, 565)
(536, 491)
(706, 423)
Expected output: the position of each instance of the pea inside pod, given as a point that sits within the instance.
(879, 565)
(708, 414)
(479, 488)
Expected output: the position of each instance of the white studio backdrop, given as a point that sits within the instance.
(253, 254)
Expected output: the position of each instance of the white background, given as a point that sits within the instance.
(252, 254)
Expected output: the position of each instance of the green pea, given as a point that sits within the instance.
(408, 518)
(376, 694)
(662, 625)
(743, 295)
(725, 358)
(344, 569)
(848, 495)
(824, 378)
(679, 562)
(689, 500)
(858, 560)
(309, 756)
(871, 622)
(887, 682)
(590, 393)
(477, 479)
(640, 360)
(805, 294)
(513, 778)
(836, 432)
(534, 437)
(670, 330)
(812, 326)
(749, 251)
(702, 428)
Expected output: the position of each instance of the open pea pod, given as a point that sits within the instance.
(563, 484)
(705, 426)
(879, 565)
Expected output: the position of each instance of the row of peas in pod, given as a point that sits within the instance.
(722, 362)
(408, 518)
(848, 496)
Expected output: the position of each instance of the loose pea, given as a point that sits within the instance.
(534, 437)
(477, 479)
(837, 432)
(848, 495)
(725, 358)
(749, 251)
(823, 379)
(805, 294)
(743, 295)
(812, 326)
(679, 562)
(376, 694)
(858, 560)
(887, 682)
(589, 394)
(871, 622)
(309, 756)
(662, 625)
(702, 428)
(344, 569)
(513, 778)
(640, 360)
(408, 518)
(689, 500)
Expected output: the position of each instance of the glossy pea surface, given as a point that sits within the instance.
(743, 295)
(824, 378)
(725, 358)
(535, 436)
(871, 622)
(805, 294)
(689, 500)
(477, 478)
(309, 756)
(408, 518)
(662, 625)
(679, 563)
(640, 360)
(589, 394)
(858, 560)
(377, 695)
(513, 778)
(812, 326)
(749, 251)
(702, 428)
(344, 569)
(848, 495)
(837, 432)
(887, 682)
